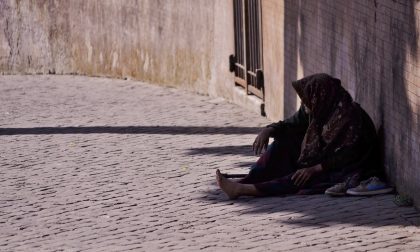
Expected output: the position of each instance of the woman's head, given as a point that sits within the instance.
(320, 93)
(336, 120)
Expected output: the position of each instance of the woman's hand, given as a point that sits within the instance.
(303, 175)
(261, 142)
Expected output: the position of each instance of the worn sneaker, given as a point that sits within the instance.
(371, 186)
(340, 189)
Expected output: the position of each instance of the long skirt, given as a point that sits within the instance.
(272, 173)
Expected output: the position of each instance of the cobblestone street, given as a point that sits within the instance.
(97, 164)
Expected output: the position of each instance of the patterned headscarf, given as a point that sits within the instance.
(335, 119)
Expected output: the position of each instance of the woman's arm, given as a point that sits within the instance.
(261, 141)
(349, 158)
(298, 121)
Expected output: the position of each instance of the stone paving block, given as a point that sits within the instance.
(96, 164)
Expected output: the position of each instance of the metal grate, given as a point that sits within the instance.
(247, 61)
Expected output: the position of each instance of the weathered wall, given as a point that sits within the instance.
(273, 51)
(222, 81)
(373, 47)
(177, 43)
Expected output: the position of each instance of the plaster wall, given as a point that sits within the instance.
(174, 43)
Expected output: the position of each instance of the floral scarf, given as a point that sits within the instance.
(335, 119)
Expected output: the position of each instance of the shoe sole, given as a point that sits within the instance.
(368, 193)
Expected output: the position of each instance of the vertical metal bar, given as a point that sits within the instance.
(241, 32)
(260, 50)
(244, 35)
(245, 42)
(260, 38)
(241, 29)
(251, 25)
(254, 39)
(251, 44)
(235, 32)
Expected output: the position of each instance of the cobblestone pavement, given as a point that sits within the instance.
(95, 164)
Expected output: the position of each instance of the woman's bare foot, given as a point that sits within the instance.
(229, 187)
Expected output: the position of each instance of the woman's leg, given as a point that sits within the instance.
(286, 186)
(278, 161)
(280, 186)
(234, 189)
(275, 187)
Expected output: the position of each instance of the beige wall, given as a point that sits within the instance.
(222, 81)
(273, 52)
(179, 43)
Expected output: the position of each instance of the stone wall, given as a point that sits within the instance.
(373, 47)
(175, 43)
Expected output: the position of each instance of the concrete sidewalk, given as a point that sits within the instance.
(93, 164)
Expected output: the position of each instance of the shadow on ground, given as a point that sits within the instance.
(321, 210)
(171, 130)
(244, 164)
(243, 150)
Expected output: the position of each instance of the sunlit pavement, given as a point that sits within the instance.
(96, 164)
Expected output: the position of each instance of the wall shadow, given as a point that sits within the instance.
(243, 150)
(366, 44)
(171, 130)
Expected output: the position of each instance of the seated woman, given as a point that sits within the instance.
(329, 141)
